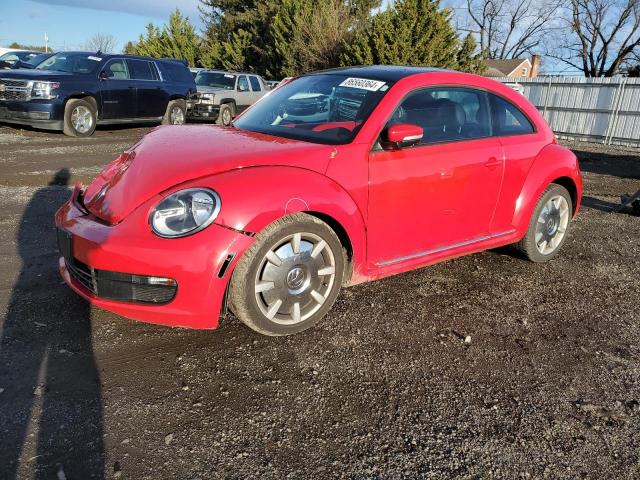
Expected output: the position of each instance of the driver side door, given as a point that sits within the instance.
(117, 91)
(442, 193)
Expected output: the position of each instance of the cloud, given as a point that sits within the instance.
(160, 9)
(37, 13)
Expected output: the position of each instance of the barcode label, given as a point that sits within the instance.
(363, 84)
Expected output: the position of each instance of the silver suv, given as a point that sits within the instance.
(221, 95)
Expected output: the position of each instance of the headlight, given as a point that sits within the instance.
(207, 98)
(44, 90)
(185, 212)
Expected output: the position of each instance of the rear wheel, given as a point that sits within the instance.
(549, 225)
(289, 278)
(79, 118)
(176, 113)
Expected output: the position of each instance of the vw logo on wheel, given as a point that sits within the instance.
(295, 278)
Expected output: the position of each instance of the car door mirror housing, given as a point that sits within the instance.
(103, 75)
(401, 135)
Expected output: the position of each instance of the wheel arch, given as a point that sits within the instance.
(554, 164)
(343, 236)
(570, 185)
(87, 97)
(304, 191)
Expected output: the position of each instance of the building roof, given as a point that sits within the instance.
(503, 68)
(385, 73)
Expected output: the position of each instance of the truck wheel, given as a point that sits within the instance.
(79, 118)
(289, 278)
(176, 113)
(549, 225)
(225, 115)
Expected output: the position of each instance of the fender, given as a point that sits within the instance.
(552, 163)
(254, 197)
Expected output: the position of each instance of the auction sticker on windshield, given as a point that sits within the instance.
(363, 84)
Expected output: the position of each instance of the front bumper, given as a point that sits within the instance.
(203, 111)
(45, 114)
(200, 264)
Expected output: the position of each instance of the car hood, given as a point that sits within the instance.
(33, 74)
(171, 155)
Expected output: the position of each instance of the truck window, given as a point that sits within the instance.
(141, 70)
(255, 84)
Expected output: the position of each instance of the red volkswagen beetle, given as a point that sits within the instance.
(336, 178)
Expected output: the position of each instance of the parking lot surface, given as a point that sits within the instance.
(546, 384)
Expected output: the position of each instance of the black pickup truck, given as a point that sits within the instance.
(75, 91)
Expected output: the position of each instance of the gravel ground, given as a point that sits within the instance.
(386, 387)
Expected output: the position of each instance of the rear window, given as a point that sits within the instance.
(176, 72)
(508, 119)
(142, 70)
(255, 84)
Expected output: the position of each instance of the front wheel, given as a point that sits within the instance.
(549, 225)
(289, 278)
(176, 113)
(225, 116)
(79, 118)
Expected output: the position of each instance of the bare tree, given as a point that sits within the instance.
(603, 35)
(510, 28)
(101, 42)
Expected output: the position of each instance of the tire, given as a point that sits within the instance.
(80, 118)
(309, 279)
(549, 225)
(225, 115)
(176, 113)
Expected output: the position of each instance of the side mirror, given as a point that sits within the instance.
(103, 75)
(402, 135)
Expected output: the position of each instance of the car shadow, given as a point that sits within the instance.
(51, 402)
(620, 164)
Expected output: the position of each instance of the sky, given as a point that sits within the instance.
(70, 23)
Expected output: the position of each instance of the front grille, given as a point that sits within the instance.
(14, 89)
(110, 285)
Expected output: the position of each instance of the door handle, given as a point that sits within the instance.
(493, 162)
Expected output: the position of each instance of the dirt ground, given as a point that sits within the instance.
(385, 387)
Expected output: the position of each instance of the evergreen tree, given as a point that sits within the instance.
(411, 32)
(178, 39)
(278, 38)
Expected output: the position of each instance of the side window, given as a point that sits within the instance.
(446, 114)
(255, 84)
(243, 84)
(508, 119)
(117, 69)
(141, 70)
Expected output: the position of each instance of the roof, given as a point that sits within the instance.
(502, 67)
(122, 55)
(385, 73)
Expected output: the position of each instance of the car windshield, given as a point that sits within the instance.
(216, 80)
(71, 63)
(12, 57)
(325, 108)
(37, 59)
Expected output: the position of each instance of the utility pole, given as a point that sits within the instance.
(46, 42)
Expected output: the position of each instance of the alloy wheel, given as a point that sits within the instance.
(226, 117)
(177, 116)
(81, 119)
(295, 278)
(552, 225)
